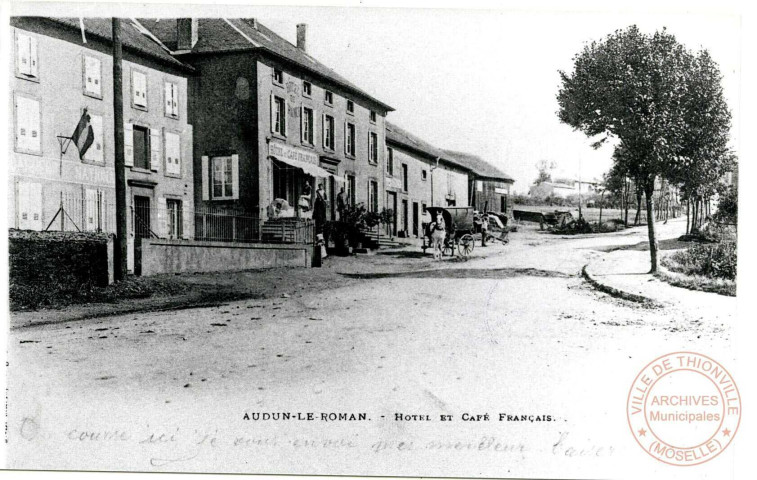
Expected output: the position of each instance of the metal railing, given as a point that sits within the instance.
(219, 225)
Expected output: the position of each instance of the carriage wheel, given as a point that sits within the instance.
(465, 246)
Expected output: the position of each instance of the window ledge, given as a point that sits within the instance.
(278, 135)
(93, 95)
(27, 77)
(139, 107)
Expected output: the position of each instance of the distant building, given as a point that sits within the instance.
(63, 66)
(419, 175)
(563, 188)
(489, 187)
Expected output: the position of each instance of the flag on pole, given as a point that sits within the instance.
(83, 136)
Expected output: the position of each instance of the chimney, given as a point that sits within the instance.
(186, 33)
(302, 36)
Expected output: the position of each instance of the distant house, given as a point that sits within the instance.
(563, 188)
(489, 187)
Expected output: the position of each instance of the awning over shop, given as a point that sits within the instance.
(306, 167)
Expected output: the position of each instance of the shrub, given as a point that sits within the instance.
(713, 261)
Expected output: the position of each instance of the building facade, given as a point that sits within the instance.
(63, 67)
(272, 123)
(419, 175)
(489, 187)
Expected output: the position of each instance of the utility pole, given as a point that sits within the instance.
(120, 163)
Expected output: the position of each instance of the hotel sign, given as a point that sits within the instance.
(285, 152)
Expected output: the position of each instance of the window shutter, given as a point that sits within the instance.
(235, 177)
(205, 178)
(155, 149)
(29, 206)
(302, 123)
(28, 136)
(273, 113)
(90, 220)
(161, 224)
(23, 58)
(175, 99)
(139, 88)
(33, 57)
(284, 118)
(92, 83)
(323, 129)
(346, 136)
(168, 96)
(128, 144)
(172, 148)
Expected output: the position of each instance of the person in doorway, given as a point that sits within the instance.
(341, 204)
(319, 209)
(304, 201)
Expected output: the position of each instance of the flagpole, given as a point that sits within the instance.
(120, 263)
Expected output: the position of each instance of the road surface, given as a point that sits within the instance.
(514, 333)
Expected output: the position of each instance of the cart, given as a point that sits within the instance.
(498, 227)
(459, 230)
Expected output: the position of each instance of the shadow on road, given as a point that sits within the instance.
(479, 273)
(669, 244)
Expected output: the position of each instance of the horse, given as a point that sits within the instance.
(437, 234)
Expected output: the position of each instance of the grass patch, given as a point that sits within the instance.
(703, 267)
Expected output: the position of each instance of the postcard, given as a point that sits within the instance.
(483, 241)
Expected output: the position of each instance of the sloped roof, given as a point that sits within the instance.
(216, 35)
(131, 38)
(400, 136)
(478, 166)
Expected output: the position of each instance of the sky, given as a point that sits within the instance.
(485, 82)
(480, 81)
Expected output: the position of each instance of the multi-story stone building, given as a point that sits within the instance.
(63, 67)
(419, 175)
(269, 119)
(489, 187)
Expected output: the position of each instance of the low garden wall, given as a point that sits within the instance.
(48, 258)
(189, 256)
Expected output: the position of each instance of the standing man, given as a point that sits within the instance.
(319, 209)
(341, 204)
(484, 228)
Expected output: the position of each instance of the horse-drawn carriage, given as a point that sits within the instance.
(458, 226)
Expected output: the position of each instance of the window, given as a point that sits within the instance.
(424, 175)
(173, 154)
(29, 214)
(92, 77)
(373, 116)
(222, 178)
(278, 76)
(93, 220)
(372, 147)
(307, 125)
(175, 217)
(141, 147)
(350, 106)
(28, 133)
(307, 89)
(390, 161)
(278, 116)
(423, 207)
(95, 152)
(26, 57)
(171, 95)
(373, 196)
(328, 132)
(404, 177)
(138, 90)
(349, 138)
(328, 98)
(351, 189)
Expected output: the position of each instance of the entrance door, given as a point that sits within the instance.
(331, 194)
(415, 219)
(391, 201)
(404, 217)
(141, 229)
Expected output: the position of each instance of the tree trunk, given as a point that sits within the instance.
(638, 208)
(687, 216)
(649, 194)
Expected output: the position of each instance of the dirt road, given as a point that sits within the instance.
(513, 333)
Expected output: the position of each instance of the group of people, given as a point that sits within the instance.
(320, 204)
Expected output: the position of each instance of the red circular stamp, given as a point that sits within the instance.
(684, 408)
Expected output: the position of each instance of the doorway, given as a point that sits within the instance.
(415, 219)
(141, 229)
(391, 201)
(404, 217)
